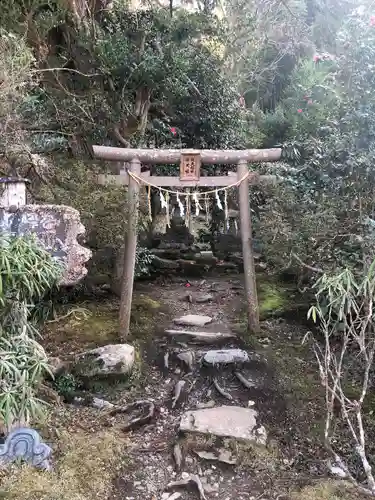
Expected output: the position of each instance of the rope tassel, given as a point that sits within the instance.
(163, 201)
(226, 216)
(180, 205)
(168, 214)
(206, 206)
(218, 201)
(198, 207)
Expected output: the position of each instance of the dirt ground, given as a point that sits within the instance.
(94, 458)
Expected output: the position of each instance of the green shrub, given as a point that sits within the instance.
(345, 353)
(143, 261)
(66, 384)
(27, 271)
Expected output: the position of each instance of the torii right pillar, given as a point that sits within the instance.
(247, 249)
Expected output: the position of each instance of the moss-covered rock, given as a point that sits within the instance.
(277, 298)
(84, 468)
(144, 303)
(83, 328)
(112, 360)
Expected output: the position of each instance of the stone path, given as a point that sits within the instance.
(206, 384)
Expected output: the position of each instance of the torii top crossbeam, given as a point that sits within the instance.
(207, 156)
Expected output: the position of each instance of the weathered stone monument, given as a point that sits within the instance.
(57, 227)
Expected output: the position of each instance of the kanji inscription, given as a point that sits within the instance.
(190, 166)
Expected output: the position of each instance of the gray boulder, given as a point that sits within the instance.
(112, 359)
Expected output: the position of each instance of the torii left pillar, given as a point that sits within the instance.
(130, 250)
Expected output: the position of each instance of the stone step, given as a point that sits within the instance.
(199, 337)
(202, 298)
(225, 357)
(225, 421)
(193, 320)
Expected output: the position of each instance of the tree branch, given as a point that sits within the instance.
(303, 264)
(119, 137)
(70, 70)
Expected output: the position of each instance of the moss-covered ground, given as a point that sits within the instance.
(92, 454)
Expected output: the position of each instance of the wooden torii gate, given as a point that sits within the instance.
(190, 162)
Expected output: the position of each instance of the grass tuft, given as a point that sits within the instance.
(327, 490)
(85, 470)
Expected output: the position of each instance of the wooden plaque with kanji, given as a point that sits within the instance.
(190, 166)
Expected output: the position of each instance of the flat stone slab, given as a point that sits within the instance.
(199, 298)
(203, 299)
(220, 455)
(200, 337)
(192, 320)
(225, 421)
(225, 357)
(162, 263)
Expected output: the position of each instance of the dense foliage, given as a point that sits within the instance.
(323, 211)
(125, 77)
(27, 272)
(156, 77)
(131, 78)
(16, 80)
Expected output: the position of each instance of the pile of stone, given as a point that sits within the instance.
(178, 250)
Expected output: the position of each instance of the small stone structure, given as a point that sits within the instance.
(12, 192)
(194, 249)
(25, 444)
(177, 250)
(225, 357)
